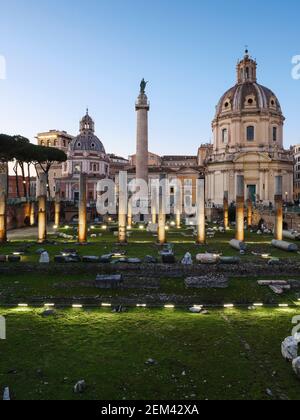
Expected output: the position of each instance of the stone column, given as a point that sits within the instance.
(154, 201)
(32, 213)
(42, 212)
(178, 206)
(162, 213)
(142, 108)
(3, 202)
(153, 214)
(200, 212)
(240, 201)
(27, 208)
(57, 206)
(226, 210)
(278, 232)
(178, 220)
(249, 210)
(122, 207)
(82, 223)
(129, 217)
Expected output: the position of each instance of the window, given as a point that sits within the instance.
(250, 133)
(274, 133)
(225, 136)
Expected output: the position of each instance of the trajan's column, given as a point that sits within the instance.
(142, 108)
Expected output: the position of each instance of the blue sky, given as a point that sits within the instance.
(63, 56)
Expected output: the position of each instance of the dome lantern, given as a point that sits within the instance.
(87, 124)
(246, 69)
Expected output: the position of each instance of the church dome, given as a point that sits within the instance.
(87, 140)
(247, 96)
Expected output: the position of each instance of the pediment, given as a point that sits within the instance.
(253, 157)
(188, 171)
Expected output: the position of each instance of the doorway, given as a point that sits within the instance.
(252, 192)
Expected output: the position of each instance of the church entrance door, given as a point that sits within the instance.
(252, 192)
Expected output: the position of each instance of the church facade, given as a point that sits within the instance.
(248, 141)
(86, 154)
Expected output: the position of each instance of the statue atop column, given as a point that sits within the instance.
(143, 86)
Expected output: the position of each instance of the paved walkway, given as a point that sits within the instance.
(25, 233)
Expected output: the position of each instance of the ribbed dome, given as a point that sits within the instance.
(87, 142)
(246, 96)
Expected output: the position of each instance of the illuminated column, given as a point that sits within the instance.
(249, 210)
(27, 210)
(82, 224)
(153, 214)
(42, 203)
(57, 209)
(240, 200)
(278, 232)
(162, 213)
(226, 210)
(154, 201)
(129, 217)
(3, 203)
(122, 207)
(178, 209)
(178, 220)
(200, 214)
(32, 213)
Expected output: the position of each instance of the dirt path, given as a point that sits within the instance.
(25, 233)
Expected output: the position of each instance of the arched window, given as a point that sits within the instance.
(225, 136)
(250, 133)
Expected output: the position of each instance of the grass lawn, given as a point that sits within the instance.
(232, 354)
(30, 287)
(142, 243)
